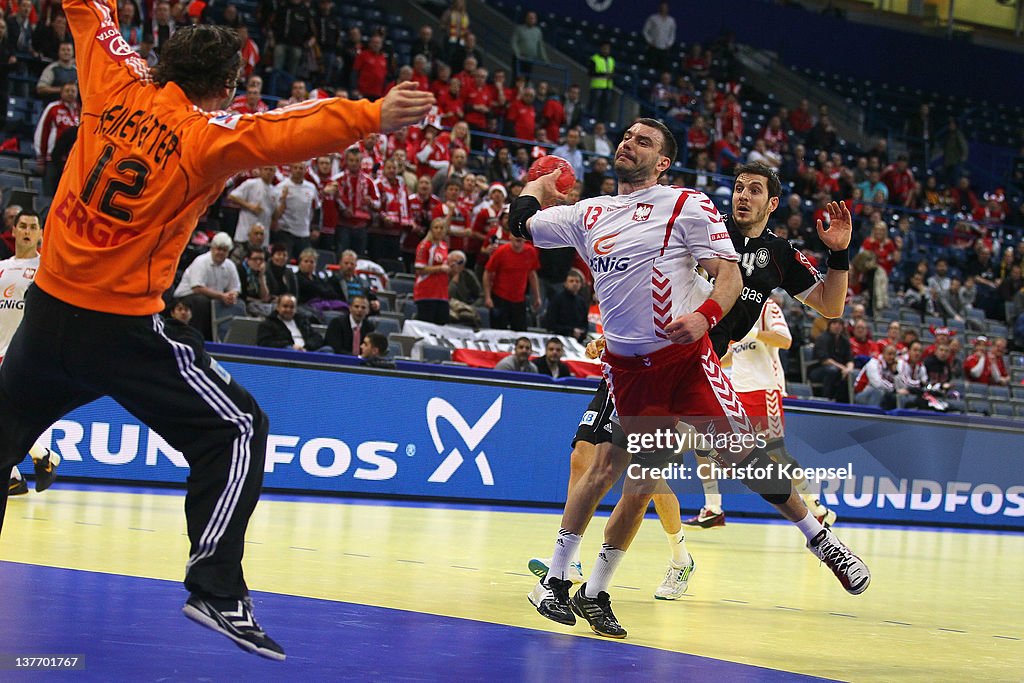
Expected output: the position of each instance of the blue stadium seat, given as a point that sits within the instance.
(435, 354)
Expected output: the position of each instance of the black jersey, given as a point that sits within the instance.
(766, 262)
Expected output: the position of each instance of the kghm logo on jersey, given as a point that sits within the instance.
(643, 212)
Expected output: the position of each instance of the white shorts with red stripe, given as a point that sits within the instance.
(764, 408)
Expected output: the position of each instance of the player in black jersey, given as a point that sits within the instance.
(768, 262)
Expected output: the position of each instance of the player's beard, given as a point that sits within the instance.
(758, 218)
(635, 174)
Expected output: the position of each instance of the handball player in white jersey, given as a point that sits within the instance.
(760, 382)
(16, 274)
(643, 247)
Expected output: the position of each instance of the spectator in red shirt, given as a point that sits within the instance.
(421, 211)
(250, 102)
(488, 220)
(774, 135)
(371, 67)
(861, 346)
(480, 98)
(899, 179)
(523, 116)
(421, 71)
(727, 152)
(989, 212)
(444, 76)
(432, 155)
(552, 116)
(430, 290)
(250, 51)
(882, 246)
(982, 366)
(730, 118)
(509, 270)
(469, 65)
(800, 118)
(698, 137)
(455, 213)
(450, 104)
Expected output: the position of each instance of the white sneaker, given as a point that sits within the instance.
(851, 571)
(677, 580)
(539, 568)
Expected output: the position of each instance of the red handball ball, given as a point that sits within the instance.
(548, 164)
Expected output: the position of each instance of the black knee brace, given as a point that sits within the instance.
(764, 477)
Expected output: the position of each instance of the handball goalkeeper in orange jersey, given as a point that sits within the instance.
(154, 152)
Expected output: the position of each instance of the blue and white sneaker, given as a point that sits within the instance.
(539, 568)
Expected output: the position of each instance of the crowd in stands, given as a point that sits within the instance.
(314, 242)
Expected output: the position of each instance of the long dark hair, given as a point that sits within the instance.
(202, 60)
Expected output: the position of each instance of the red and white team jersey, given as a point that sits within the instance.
(642, 249)
(16, 274)
(755, 365)
(55, 119)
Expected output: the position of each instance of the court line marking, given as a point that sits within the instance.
(295, 547)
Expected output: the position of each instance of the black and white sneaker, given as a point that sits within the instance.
(598, 613)
(551, 598)
(46, 470)
(851, 571)
(17, 487)
(233, 618)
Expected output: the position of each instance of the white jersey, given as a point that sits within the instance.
(642, 249)
(755, 365)
(16, 274)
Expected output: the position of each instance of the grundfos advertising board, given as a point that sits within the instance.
(352, 431)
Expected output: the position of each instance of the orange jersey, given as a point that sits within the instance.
(148, 163)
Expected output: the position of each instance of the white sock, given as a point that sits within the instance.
(680, 558)
(604, 569)
(810, 526)
(15, 473)
(576, 554)
(567, 546)
(39, 452)
(712, 498)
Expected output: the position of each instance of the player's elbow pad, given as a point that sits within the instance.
(522, 208)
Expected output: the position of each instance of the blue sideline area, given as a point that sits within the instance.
(129, 628)
(456, 434)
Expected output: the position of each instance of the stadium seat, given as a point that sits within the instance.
(976, 390)
(15, 181)
(979, 406)
(436, 354)
(799, 390)
(1002, 408)
(243, 331)
(402, 283)
(386, 326)
(997, 392)
(404, 343)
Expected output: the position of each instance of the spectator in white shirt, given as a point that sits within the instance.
(296, 198)
(256, 200)
(660, 33)
(211, 282)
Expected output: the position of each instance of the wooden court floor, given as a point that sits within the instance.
(942, 606)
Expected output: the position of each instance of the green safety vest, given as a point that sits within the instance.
(602, 65)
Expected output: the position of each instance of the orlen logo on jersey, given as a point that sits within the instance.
(643, 212)
(437, 409)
